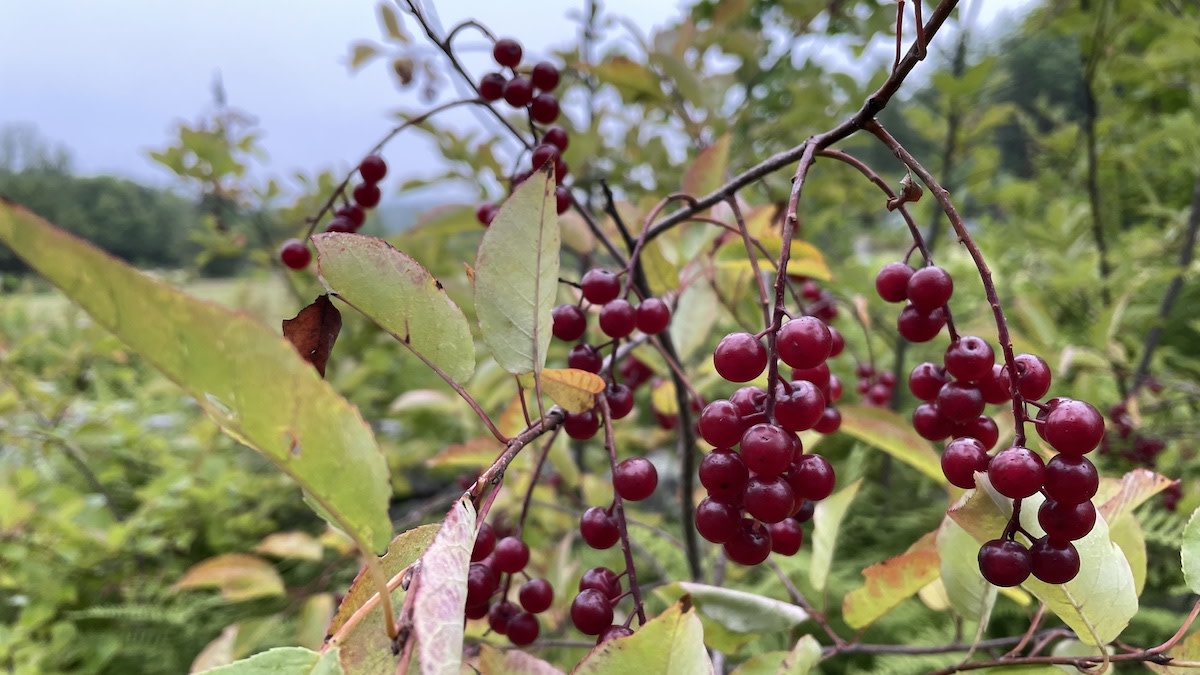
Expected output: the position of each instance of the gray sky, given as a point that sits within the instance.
(110, 79)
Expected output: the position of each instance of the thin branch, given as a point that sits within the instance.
(619, 512)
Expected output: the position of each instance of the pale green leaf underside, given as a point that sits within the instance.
(672, 642)
(247, 378)
(441, 592)
(516, 276)
(400, 295)
(827, 520)
(971, 596)
(1190, 552)
(743, 612)
(284, 661)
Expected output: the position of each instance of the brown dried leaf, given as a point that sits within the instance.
(314, 330)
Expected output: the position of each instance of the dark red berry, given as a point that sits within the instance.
(485, 542)
(958, 402)
(970, 358)
(1054, 562)
(721, 424)
(767, 449)
(569, 322)
(769, 499)
(982, 429)
(996, 388)
(635, 479)
(930, 424)
(482, 581)
(618, 319)
(542, 154)
(1004, 562)
(724, 474)
(961, 459)
(717, 521)
(1074, 427)
(523, 629)
(740, 357)
(750, 544)
(1033, 376)
(499, 615)
(603, 580)
(518, 92)
(591, 612)
(819, 376)
(926, 380)
(560, 170)
(634, 372)
(544, 108)
(354, 214)
(1066, 522)
(294, 254)
(558, 137)
(367, 195)
(804, 510)
(474, 612)
(544, 76)
(804, 342)
(653, 316)
(372, 168)
(598, 528)
(892, 282)
(339, 224)
(562, 199)
(812, 477)
(1071, 480)
(929, 288)
(581, 426)
(485, 213)
(511, 555)
(786, 536)
(536, 595)
(830, 422)
(620, 400)
(507, 52)
(491, 86)
(917, 326)
(585, 357)
(801, 409)
(838, 343)
(1016, 472)
(600, 286)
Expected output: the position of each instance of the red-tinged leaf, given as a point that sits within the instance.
(891, 582)
(441, 593)
(1135, 488)
(401, 552)
(512, 662)
(707, 172)
(891, 433)
(314, 330)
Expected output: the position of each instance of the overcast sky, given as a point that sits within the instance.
(109, 79)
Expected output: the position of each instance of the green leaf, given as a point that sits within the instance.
(803, 657)
(512, 662)
(400, 295)
(441, 592)
(238, 576)
(694, 318)
(401, 552)
(294, 545)
(827, 520)
(672, 642)
(1099, 602)
(707, 171)
(391, 22)
(635, 81)
(891, 582)
(888, 431)
(1189, 553)
(283, 661)
(361, 53)
(971, 596)
(516, 276)
(661, 275)
(246, 377)
(739, 611)
(1127, 533)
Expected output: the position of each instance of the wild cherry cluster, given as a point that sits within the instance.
(954, 395)
(494, 560)
(533, 92)
(761, 485)
(874, 387)
(349, 218)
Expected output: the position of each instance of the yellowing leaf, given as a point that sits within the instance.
(891, 582)
(246, 377)
(493, 661)
(360, 53)
(635, 81)
(1189, 553)
(888, 431)
(661, 274)
(284, 660)
(400, 295)
(672, 642)
(1135, 488)
(473, 452)
(1127, 533)
(441, 592)
(391, 22)
(799, 661)
(707, 171)
(970, 595)
(516, 276)
(573, 389)
(294, 545)
(827, 520)
(805, 259)
(1187, 649)
(238, 576)
(662, 398)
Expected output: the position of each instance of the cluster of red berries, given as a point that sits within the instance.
(874, 387)
(491, 558)
(954, 395)
(350, 218)
(761, 485)
(535, 92)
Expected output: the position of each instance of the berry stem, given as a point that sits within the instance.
(494, 473)
(537, 472)
(985, 274)
(619, 510)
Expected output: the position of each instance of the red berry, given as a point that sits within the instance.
(1066, 522)
(1074, 427)
(717, 521)
(482, 581)
(1071, 480)
(831, 421)
(819, 376)
(569, 322)
(812, 477)
(929, 423)
(1016, 472)
(620, 400)
(1054, 562)
(721, 424)
(769, 499)
(618, 319)
(598, 528)
(804, 511)
(500, 614)
(485, 213)
(603, 580)
(958, 402)
(1033, 376)
(536, 595)
(354, 214)
(892, 281)
(507, 52)
(786, 536)
(372, 169)
(801, 409)
(838, 344)
(542, 153)
(544, 108)
(523, 629)
(485, 542)
(562, 199)
(926, 380)
(600, 286)
(491, 86)
(740, 357)
(996, 388)
(767, 449)
(724, 474)
(294, 254)
(804, 342)
(653, 316)
(635, 479)
(585, 357)
(581, 426)
(1004, 562)
(970, 358)
(982, 429)
(961, 459)
(511, 555)
(367, 195)
(750, 544)
(591, 612)
(518, 92)
(917, 326)
(544, 76)
(930, 288)
(339, 225)
(558, 137)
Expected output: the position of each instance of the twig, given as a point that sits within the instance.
(800, 601)
(619, 512)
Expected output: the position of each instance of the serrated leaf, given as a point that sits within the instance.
(291, 545)
(738, 611)
(1099, 603)
(827, 520)
(707, 171)
(493, 661)
(399, 295)
(970, 595)
(284, 661)
(247, 378)
(361, 53)
(672, 642)
(441, 592)
(891, 582)
(573, 389)
(891, 433)
(634, 81)
(236, 575)
(1189, 552)
(516, 276)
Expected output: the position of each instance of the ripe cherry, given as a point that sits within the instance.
(295, 254)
